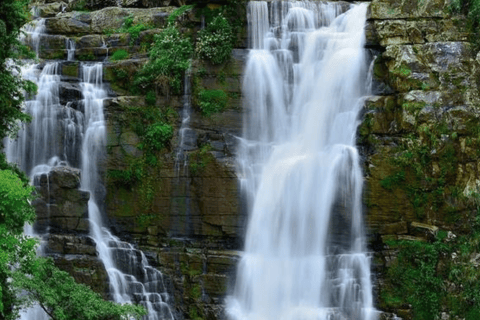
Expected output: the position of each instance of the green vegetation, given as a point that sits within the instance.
(199, 159)
(414, 163)
(13, 15)
(412, 278)
(215, 42)
(133, 29)
(15, 248)
(127, 177)
(179, 12)
(471, 8)
(439, 276)
(62, 298)
(158, 136)
(119, 55)
(169, 59)
(80, 6)
(212, 101)
(87, 57)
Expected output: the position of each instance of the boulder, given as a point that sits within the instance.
(61, 207)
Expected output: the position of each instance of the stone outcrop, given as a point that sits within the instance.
(62, 207)
(62, 210)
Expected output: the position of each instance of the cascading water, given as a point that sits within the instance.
(74, 135)
(131, 279)
(70, 49)
(181, 184)
(305, 78)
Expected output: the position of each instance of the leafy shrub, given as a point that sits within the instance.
(119, 55)
(212, 101)
(158, 136)
(414, 280)
(150, 98)
(132, 29)
(215, 43)
(472, 10)
(169, 58)
(178, 12)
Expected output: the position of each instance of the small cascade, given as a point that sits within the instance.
(304, 85)
(32, 32)
(185, 132)
(70, 49)
(187, 142)
(132, 279)
(104, 45)
(38, 143)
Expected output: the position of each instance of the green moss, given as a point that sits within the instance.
(119, 55)
(403, 71)
(70, 70)
(133, 29)
(200, 159)
(126, 178)
(412, 279)
(413, 106)
(87, 57)
(193, 313)
(212, 101)
(436, 277)
(393, 180)
(196, 291)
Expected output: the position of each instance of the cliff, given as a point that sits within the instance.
(181, 202)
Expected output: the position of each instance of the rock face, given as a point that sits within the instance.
(419, 139)
(62, 206)
(419, 136)
(63, 209)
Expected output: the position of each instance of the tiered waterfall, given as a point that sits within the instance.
(72, 133)
(305, 256)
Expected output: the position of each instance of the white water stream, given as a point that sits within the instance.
(305, 255)
(74, 135)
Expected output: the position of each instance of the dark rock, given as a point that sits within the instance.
(62, 207)
(69, 92)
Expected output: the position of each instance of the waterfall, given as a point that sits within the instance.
(72, 133)
(305, 255)
(127, 284)
(181, 204)
(70, 44)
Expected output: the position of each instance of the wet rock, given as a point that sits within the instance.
(61, 207)
(69, 92)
